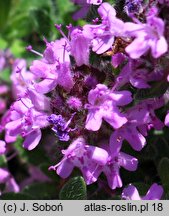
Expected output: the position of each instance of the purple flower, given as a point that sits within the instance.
(85, 4)
(53, 68)
(39, 101)
(141, 118)
(4, 89)
(21, 78)
(80, 14)
(4, 120)
(148, 35)
(81, 2)
(7, 179)
(164, 2)
(25, 120)
(74, 103)
(60, 126)
(88, 159)
(154, 193)
(117, 59)
(133, 7)
(90, 81)
(2, 106)
(103, 104)
(2, 61)
(137, 75)
(79, 47)
(94, 2)
(102, 35)
(112, 168)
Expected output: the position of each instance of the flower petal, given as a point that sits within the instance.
(121, 97)
(136, 139)
(128, 162)
(98, 155)
(32, 139)
(93, 121)
(159, 47)
(154, 193)
(137, 48)
(131, 193)
(65, 168)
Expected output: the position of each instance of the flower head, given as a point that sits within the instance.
(88, 159)
(103, 104)
(112, 168)
(54, 68)
(26, 120)
(74, 103)
(7, 179)
(102, 35)
(60, 126)
(133, 7)
(141, 118)
(148, 35)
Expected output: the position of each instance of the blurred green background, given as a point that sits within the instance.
(24, 22)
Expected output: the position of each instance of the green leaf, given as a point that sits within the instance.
(18, 48)
(45, 190)
(5, 75)
(3, 44)
(16, 196)
(163, 171)
(63, 6)
(42, 21)
(74, 189)
(3, 161)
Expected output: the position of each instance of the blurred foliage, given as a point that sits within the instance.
(24, 22)
(4, 75)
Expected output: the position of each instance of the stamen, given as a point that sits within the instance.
(69, 28)
(29, 48)
(58, 27)
(45, 40)
(19, 71)
(20, 99)
(64, 51)
(69, 121)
